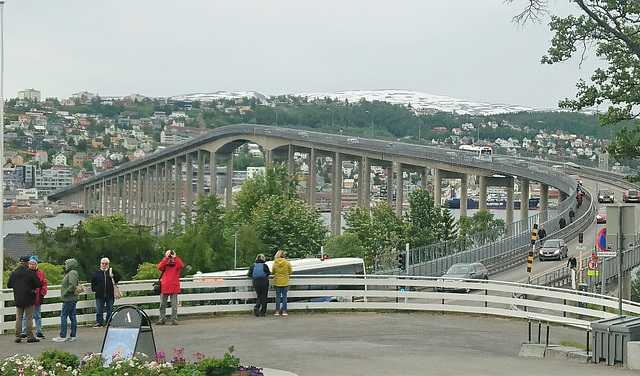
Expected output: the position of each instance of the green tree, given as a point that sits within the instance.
(428, 224)
(611, 27)
(287, 224)
(481, 221)
(345, 245)
(125, 245)
(379, 231)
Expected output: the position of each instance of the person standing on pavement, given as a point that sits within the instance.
(170, 286)
(40, 294)
(281, 272)
(24, 282)
(572, 214)
(69, 301)
(259, 272)
(562, 223)
(102, 285)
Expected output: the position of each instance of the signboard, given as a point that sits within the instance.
(602, 239)
(607, 254)
(592, 264)
(592, 272)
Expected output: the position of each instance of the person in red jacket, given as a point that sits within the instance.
(40, 294)
(170, 267)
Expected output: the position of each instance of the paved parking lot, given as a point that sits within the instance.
(353, 343)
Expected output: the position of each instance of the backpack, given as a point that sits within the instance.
(258, 270)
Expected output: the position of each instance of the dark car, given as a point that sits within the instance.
(553, 249)
(631, 196)
(456, 272)
(605, 195)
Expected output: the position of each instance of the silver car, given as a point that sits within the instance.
(474, 270)
(553, 249)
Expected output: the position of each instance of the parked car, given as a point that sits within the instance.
(631, 196)
(605, 195)
(601, 216)
(456, 272)
(553, 249)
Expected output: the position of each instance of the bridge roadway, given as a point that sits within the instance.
(360, 343)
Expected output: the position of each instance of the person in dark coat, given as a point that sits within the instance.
(572, 214)
(102, 286)
(542, 233)
(24, 282)
(259, 272)
(562, 223)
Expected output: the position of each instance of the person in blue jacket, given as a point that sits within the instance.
(259, 272)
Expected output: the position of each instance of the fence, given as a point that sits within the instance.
(545, 304)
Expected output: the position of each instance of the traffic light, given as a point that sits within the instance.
(580, 238)
(402, 261)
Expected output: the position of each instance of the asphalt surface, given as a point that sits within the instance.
(351, 343)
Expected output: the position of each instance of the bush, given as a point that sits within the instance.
(55, 359)
(220, 367)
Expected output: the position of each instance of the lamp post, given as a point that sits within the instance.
(333, 123)
(369, 112)
(1, 137)
(235, 247)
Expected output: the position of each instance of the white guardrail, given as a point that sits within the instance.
(372, 292)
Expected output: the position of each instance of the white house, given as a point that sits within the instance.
(59, 160)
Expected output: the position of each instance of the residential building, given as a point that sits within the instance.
(59, 160)
(48, 181)
(29, 94)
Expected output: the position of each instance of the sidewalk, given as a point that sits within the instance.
(351, 343)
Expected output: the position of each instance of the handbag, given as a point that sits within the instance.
(78, 290)
(157, 285)
(117, 294)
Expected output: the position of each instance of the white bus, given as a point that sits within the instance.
(483, 153)
(307, 266)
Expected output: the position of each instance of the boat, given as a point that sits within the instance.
(472, 203)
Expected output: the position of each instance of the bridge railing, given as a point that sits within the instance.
(358, 292)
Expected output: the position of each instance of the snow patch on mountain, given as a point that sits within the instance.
(419, 101)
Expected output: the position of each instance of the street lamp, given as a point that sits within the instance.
(333, 123)
(235, 248)
(2, 134)
(371, 118)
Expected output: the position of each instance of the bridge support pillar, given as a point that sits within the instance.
(482, 197)
(200, 179)
(213, 173)
(437, 187)
(311, 179)
(336, 195)
(364, 182)
(524, 200)
(544, 203)
(399, 188)
(177, 184)
(424, 173)
(188, 188)
(390, 186)
(464, 186)
(509, 214)
(228, 197)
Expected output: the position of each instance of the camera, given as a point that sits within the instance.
(172, 254)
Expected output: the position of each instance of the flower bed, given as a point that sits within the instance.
(62, 363)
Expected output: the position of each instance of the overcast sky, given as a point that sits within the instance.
(466, 49)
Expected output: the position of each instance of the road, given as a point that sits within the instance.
(353, 344)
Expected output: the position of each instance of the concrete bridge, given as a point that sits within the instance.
(157, 189)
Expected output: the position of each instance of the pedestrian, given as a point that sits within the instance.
(571, 215)
(572, 262)
(69, 300)
(40, 294)
(24, 282)
(281, 272)
(579, 198)
(542, 233)
(562, 223)
(170, 285)
(102, 285)
(259, 272)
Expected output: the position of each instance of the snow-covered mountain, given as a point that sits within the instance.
(417, 100)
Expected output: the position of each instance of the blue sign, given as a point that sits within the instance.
(602, 239)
